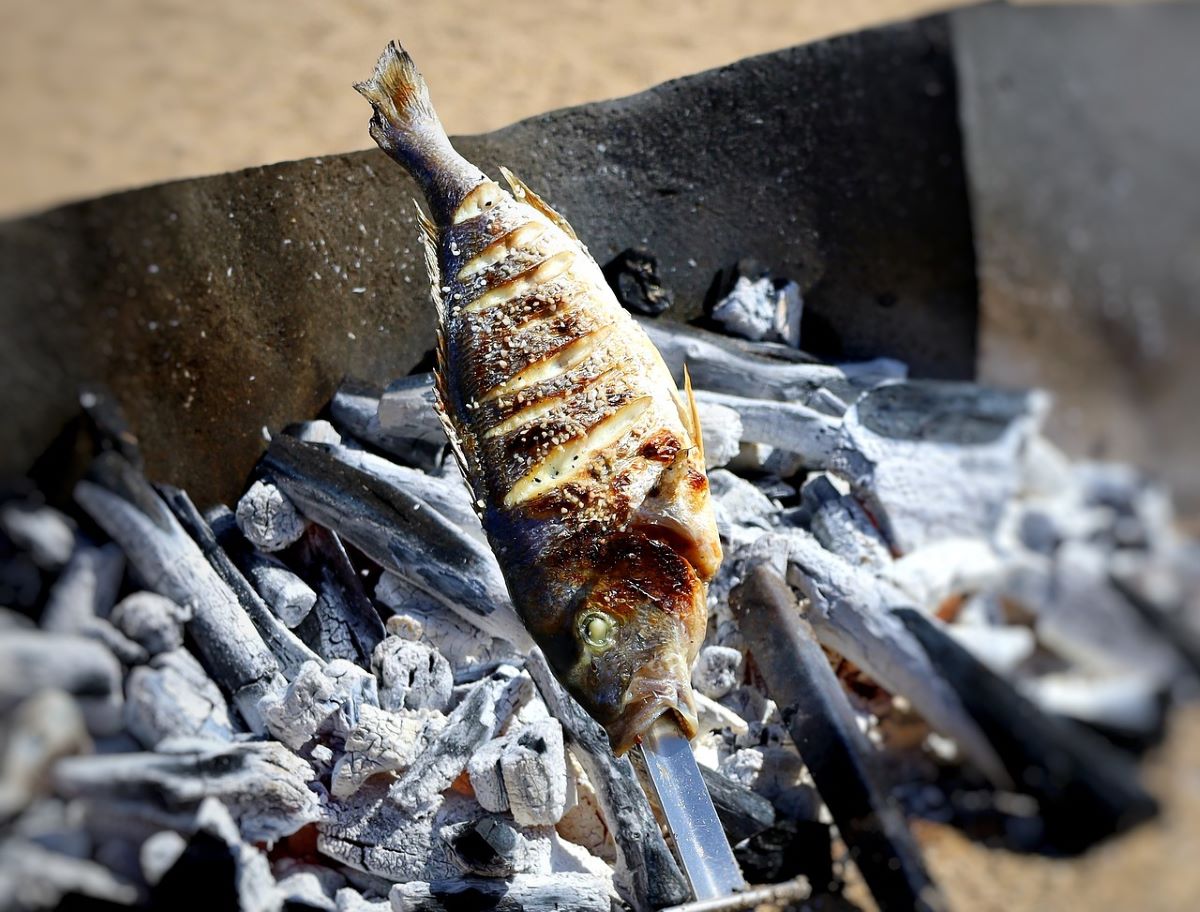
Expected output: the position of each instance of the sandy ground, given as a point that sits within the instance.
(103, 96)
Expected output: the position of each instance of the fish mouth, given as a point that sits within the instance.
(661, 687)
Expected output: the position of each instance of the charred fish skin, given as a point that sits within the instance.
(584, 458)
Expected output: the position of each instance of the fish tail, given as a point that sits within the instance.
(406, 127)
(405, 124)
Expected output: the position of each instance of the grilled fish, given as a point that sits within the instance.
(585, 461)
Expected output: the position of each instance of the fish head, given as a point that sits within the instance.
(633, 635)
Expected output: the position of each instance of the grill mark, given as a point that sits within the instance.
(569, 459)
(478, 201)
(553, 365)
(526, 415)
(523, 283)
(523, 236)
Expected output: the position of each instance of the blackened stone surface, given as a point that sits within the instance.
(1083, 141)
(216, 306)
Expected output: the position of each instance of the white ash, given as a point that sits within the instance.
(151, 620)
(268, 519)
(717, 671)
(411, 675)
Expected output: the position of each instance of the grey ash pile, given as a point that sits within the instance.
(321, 699)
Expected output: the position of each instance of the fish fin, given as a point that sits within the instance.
(404, 120)
(432, 266)
(693, 414)
(522, 192)
(441, 399)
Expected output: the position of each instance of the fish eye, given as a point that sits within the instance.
(598, 630)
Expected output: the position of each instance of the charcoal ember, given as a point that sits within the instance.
(321, 700)
(761, 310)
(633, 276)
(721, 432)
(742, 811)
(263, 784)
(46, 726)
(383, 742)
(472, 724)
(423, 618)
(937, 460)
(343, 623)
(646, 874)
(521, 893)
(523, 772)
(411, 675)
(33, 877)
(1085, 788)
(218, 864)
(825, 731)
(267, 518)
(159, 853)
(492, 847)
(32, 661)
(85, 591)
(123, 503)
(152, 621)
(838, 521)
(369, 832)
(174, 697)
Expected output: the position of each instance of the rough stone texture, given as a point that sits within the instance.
(1082, 127)
(216, 306)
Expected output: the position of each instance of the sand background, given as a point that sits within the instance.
(102, 96)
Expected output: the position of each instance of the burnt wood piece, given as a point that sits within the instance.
(287, 648)
(1085, 789)
(125, 505)
(400, 532)
(344, 621)
(826, 733)
(647, 876)
(288, 596)
(743, 812)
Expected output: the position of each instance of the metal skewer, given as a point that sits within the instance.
(704, 851)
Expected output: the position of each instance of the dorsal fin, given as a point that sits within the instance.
(693, 412)
(441, 394)
(522, 192)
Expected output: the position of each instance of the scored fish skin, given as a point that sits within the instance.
(585, 461)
